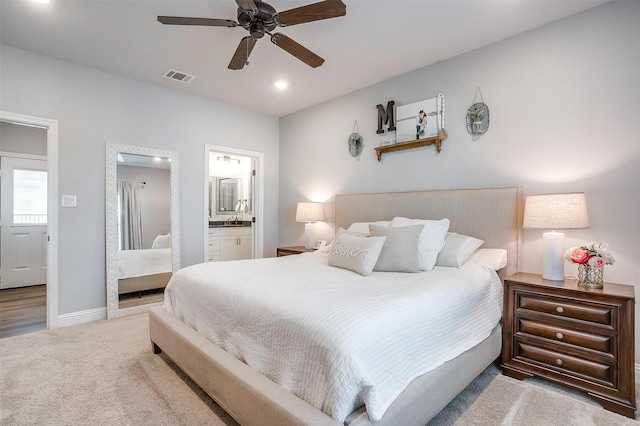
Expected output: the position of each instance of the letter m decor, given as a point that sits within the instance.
(386, 117)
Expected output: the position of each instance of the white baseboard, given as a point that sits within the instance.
(80, 317)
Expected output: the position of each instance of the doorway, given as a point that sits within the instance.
(233, 196)
(23, 216)
(44, 250)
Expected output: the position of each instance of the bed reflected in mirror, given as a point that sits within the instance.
(142, 248)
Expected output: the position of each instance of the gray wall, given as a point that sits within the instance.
(94, 108)
(564, 104)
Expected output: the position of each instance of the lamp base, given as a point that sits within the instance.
(308, 235)
(553, 256)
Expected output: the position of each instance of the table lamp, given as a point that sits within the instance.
(555, 211)
(309, 212)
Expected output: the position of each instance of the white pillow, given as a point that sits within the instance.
(431, 238)
(457, 249)
(326, 248)
(400, 250)
(162, 241)
(358, 254)
(495, 259)
(363, 227)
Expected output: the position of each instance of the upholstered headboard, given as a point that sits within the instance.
(491, 214)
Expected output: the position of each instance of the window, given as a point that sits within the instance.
(29, 197)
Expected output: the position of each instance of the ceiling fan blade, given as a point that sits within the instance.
(311, 12)
(243, 51)
(206, 22)
(297, 50)
(248, 6)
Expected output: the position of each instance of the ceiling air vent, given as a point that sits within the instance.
(179, 76)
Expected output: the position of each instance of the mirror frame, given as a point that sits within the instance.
(111, 222)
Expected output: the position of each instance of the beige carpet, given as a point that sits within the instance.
(104, 373)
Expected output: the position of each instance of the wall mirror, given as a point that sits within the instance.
(228, 195)
(142, 226)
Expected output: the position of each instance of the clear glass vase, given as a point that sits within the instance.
(591, 276)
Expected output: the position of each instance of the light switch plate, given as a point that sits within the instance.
(68, 201)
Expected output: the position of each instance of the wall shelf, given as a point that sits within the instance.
(401, 146)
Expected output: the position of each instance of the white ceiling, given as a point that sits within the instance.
(375, 41)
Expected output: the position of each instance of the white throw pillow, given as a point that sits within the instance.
(362, 228)
(162, 241)
(400, 250)
(457, 249)
(358, 254)
(431, 238)
(495, 259)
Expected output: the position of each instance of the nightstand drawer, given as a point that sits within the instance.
(600, 343)
(599, 314)
(567, 364)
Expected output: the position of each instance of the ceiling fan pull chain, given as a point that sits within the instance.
(247, 61)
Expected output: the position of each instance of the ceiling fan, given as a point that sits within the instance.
(260, 18)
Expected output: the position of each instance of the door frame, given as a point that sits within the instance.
(258, 201)
(51, 126)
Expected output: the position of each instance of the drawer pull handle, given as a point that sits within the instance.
(560, 336)
(559, 361)
(560, 309)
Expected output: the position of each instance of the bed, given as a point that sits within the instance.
(251, 398)
(145, 269)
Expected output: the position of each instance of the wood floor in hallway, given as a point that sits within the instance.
(23, 310)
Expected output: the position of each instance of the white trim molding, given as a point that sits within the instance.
(80, 317)
(637, 375)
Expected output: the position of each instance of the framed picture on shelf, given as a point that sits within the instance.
(417, 120)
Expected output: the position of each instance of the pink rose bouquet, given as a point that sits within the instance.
(592, 254)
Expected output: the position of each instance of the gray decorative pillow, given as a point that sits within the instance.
(431, 238)
(457, 249)
(400, 251)
(358, 254)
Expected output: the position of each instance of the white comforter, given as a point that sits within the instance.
(137, 263)
(332, 337)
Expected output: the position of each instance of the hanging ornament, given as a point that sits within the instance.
(355, 142)
(478, 116)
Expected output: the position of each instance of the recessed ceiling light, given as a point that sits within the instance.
(43, 1)
(281, 84)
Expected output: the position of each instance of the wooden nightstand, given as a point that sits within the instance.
(286, 251)
(561, 332)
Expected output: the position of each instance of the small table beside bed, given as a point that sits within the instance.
(337, 337)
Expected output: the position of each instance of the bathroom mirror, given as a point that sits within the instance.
(228, 191)
(142, 226)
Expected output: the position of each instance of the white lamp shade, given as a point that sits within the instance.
(309, 212)
(556, 211)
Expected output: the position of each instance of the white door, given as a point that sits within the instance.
(23, 222)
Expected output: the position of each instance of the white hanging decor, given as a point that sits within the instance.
(355, 142)
(478, 116)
